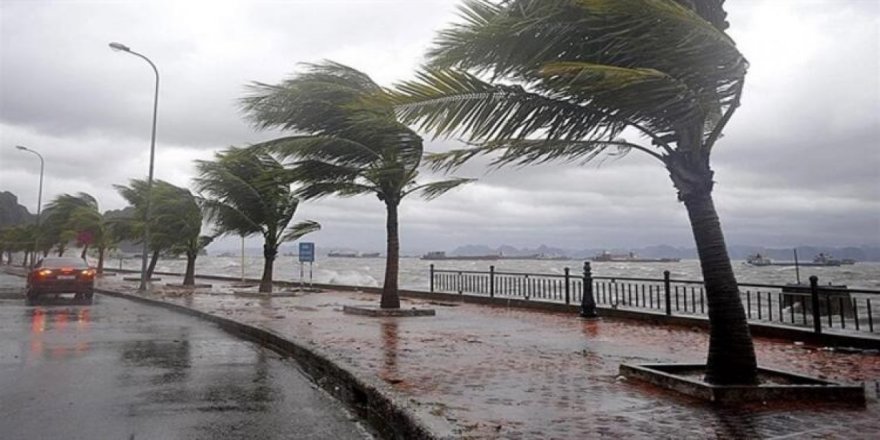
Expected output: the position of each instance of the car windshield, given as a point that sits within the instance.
(75, 263)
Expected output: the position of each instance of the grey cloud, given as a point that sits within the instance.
(799, 162)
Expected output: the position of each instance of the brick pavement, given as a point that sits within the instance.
(494, 372)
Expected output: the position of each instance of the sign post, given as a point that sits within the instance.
(306, 255)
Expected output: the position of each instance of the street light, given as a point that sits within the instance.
(123, 48)
(39, 201)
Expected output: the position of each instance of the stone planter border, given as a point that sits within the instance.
(802, 388)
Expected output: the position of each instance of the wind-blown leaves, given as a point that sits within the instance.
(300, 229)
(449, 102)
(433, 190)
(578, 70)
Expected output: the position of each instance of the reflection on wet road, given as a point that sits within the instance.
(121, 370)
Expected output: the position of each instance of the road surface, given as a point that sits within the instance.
(123, 370)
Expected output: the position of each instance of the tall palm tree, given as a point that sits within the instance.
(531, 81)
(349, 143)
(245, 192)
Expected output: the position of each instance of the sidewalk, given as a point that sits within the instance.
(490, 372)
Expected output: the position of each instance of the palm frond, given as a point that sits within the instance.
(521, 152)
(300, 229)
(342, 151)
(517, 40)
(229, 219)
(446, 103)
(317, 190)
(638, 95)
(432, 190)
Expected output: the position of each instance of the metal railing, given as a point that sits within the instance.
(811, 305)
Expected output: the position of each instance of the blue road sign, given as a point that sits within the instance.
(306, 252)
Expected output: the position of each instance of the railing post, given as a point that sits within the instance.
(460, 285)
(667, 286)
(588, 303)
(432, 278)
(814, 298)
(491, 281)
(567, 286)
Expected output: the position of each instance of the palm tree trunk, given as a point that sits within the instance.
(269, 253)
(101, 250)
(731, 359)
(152, 266)
(390, 299)
(189, 278)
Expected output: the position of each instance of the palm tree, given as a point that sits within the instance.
(180, 215)
(60, 225)
(92, 229)
(175, 222)
(245, 192)
(350, 144)
(566, 79)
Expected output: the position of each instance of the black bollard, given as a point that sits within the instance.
(588, 303)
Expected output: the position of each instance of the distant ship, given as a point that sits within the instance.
(343, 254)
(440, 255)
(631, 258)
(759, 260)
(353, 255)
(819, 261)
(544, 257)
(824, 260)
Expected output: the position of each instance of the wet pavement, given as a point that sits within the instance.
(121, 370)
(492, 372)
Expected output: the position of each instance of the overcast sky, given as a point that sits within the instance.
(799, 163)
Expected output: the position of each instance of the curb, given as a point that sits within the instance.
(390, 419)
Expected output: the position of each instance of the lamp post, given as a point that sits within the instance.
(124, 48)
(39, 200)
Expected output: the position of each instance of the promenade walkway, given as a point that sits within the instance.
(490, 372)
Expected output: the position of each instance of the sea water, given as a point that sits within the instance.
(414, 272)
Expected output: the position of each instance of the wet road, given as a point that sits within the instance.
(122, 370)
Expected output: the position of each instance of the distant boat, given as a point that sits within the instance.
(759, 260)
(440, 255)
(820, 260)
(553, 257)
(534, 257)
(353, 255)
(520, 257)
(227, 254)
(824, 260)
(630, 258)
(343, 254)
